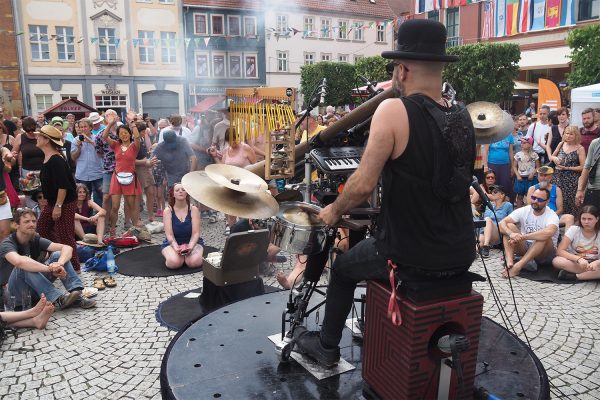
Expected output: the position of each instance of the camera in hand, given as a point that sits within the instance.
(81, 138)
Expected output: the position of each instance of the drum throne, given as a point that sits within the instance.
(432, 354)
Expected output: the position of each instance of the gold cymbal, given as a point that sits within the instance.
(490, 122)
(240, 204)
(236, 178)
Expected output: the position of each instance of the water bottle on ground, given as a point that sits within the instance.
(111, 267)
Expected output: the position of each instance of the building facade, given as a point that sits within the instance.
(301, 32)
(106, 53)
(11, 95)
(225, 47)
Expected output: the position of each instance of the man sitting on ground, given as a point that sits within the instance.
(555, 202)
(19, 255)
(530, 232)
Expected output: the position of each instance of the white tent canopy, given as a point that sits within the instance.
(582, 98)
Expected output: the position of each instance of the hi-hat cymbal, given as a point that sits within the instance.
(240, 204)
(490, 122)
(236, 178)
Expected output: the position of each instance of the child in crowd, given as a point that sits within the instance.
(525, 164)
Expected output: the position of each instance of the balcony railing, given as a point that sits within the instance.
(454, 41)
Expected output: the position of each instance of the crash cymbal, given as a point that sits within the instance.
(289, 195)
(490, 122)
(240, 204)
(236, 178)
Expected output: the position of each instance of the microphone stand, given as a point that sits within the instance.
(312, 103)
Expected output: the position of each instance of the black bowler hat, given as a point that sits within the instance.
(421, 39)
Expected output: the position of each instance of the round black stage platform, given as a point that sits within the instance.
(227, 354)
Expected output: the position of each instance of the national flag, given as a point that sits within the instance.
(524, 15)
(512, 17)
(500, 18)
(552, 13)
(567, 15)
(538, 19)
(488, 20)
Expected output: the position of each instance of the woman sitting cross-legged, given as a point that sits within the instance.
(502, 208)
(182, 230)
(35, 317)
(577, 254)
(85, 220)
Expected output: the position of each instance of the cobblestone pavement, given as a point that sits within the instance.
(115, 350)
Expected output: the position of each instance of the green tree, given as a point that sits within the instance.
(585, 56)
(340, 81)
(485, 72)
(373, 68)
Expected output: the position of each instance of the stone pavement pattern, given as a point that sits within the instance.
(115, 350)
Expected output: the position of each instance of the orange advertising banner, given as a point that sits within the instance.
(548, 94)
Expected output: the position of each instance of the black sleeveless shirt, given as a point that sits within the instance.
(417, 228)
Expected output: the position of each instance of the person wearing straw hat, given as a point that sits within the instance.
(425, 225)
(57, 220)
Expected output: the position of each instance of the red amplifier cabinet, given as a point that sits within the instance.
(403, 362)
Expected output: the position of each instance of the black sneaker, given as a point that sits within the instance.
(485, 252)
(84, 303)
(567, 276)
(309, 343)
(66, 300)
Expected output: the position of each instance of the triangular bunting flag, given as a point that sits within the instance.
(187, 41)
(206, 41)
(94, 40)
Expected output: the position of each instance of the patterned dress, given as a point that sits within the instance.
(567, 180)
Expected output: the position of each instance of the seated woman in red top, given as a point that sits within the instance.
(124, 181)
(85, 219)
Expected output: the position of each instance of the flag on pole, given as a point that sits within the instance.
(538, 15)
(552, 13)
(500, 18)
(488, 20)
(524, 15)
(512, 17)
(567, 15)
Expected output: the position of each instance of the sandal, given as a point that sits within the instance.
(99, 284)
(110, 282)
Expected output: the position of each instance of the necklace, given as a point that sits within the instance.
(124, 148)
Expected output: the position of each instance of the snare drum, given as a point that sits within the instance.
(297, 228)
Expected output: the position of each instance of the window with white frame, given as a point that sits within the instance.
(309, 26)
(146, 46)
(358, 31)
(358, 57)
(200, 27)
(166, 1)
(116, 101)
(168, 48)
(282, 24)
(233, 22)
(343, 58)
(309, 58)
(68, 96)
(202, 67)
(250, 26)
(342, 29)
(325, 56)
(326, 28)
(107, 44)
(216, 25)
(282, 61)
(251, 65)
(235, 66)
(218, 61)
(381, 33)
(65, 43)
(43, 102)
(38, 40)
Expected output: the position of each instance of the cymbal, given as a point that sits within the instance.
(491, 123)
(236, 178)
(202, 188)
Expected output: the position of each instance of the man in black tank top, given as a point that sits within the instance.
(425, 226)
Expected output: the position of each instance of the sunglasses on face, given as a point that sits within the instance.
(490, 177)
(538, 199)
(389, 68)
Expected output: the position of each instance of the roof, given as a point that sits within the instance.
(228, 4)
(369, 8)
(69, 106)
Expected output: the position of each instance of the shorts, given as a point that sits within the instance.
(144, 176)
(106, 178)
(545, 260)
(521, 187)
(5, 211)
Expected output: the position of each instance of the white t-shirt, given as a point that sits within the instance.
(529, 222)
(219, 133)
(539, 132)
(181, 130)
(526, 162)
(587, 248)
